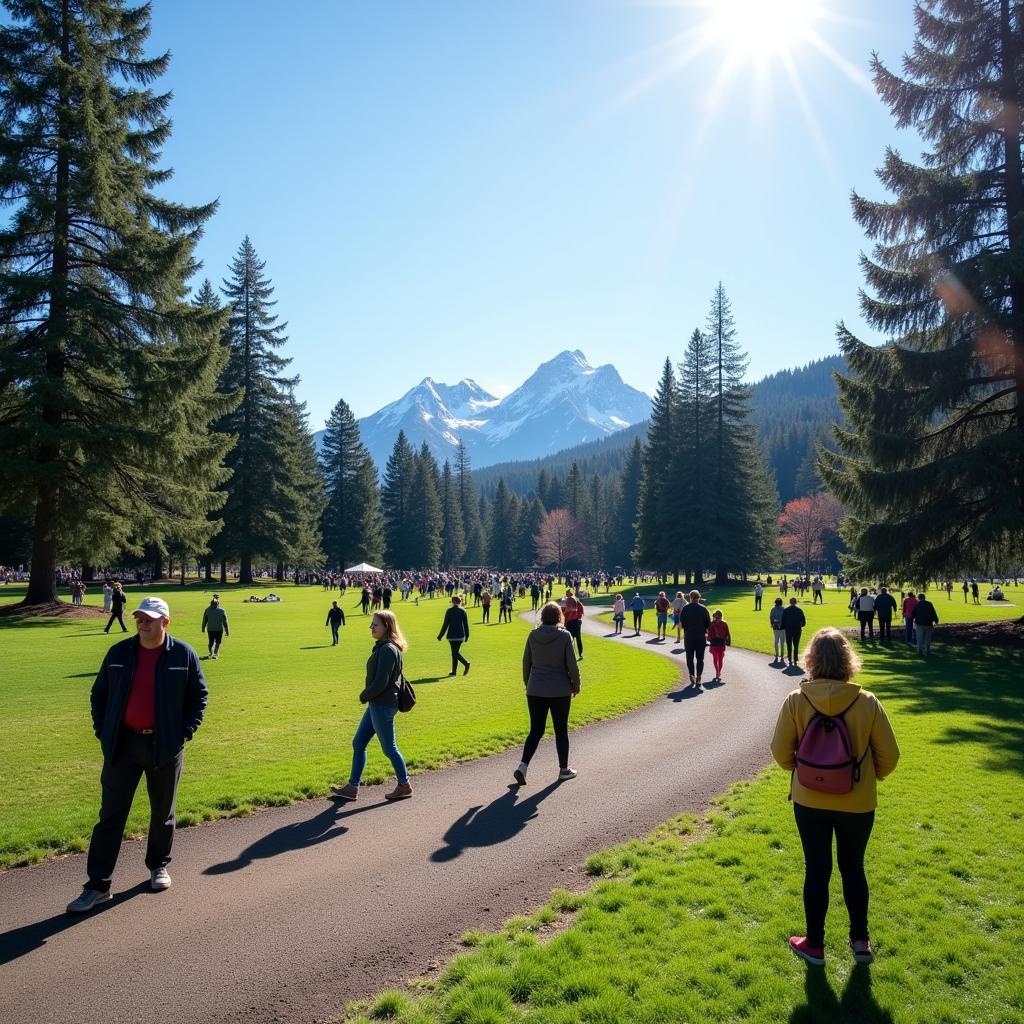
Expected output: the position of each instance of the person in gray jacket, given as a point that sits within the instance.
(215, 625)
(552, 679)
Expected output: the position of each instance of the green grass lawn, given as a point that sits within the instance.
(283, 706)
(691, 923)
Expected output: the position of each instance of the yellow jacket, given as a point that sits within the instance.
(869, 731)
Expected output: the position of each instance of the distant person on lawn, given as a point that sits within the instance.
(778, 631)
(619, 613)
(335, 619)
(696, 623)
(456, 625)
(925, 619)
(829, 690)
(380, 695)
(118, 599)
(552, 679)
(148, 699)
(215, 625)
(572, 611)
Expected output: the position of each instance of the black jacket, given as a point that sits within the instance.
(695, 619)
(925, 614)
(335, 615)
(793, 618)
(456, 624)
(180, 696)
(885, 605)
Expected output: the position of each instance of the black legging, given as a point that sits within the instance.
(793, 644)
(574, 626)
(852, 832)
(637, 619)
(539, 708)
(457, 658)
(695, 648)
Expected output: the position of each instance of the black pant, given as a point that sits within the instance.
(885, 628)
(487, 613)
(637, 619)
(793, 644)
(133, 758)
(214, 637)
(575, 626)
(852, 832)
(867, 619)
(456, 657)
(539, 708)
(757, 603)
(818, 597)
(695, 648)
(118, 614)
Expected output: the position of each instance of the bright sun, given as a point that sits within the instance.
(761, 29)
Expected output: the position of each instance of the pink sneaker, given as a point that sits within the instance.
(862, 950)
(812, 954)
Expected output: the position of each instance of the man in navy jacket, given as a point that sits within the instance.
(148, 699)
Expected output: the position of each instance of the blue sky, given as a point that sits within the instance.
(466, 188)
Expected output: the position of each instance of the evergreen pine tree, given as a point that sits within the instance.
(931, 466)
(575, 492)
(425, 516)
(504, 527)
(253, 524)
(475, 550)
(595, 520)
(531, 518)
(395, 502)
(107, 374)
(298, 490)
(622, 533)
(351, 524)
(453, 538)
(655, 513)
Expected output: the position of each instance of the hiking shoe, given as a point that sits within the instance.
(86, 900)
(520, 776)
(402, 791)
(812, 954)
(465, 669)
(566, 774)
(862, 953)
(159, 880)
(346, 792)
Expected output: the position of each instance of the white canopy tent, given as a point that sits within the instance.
(364, 567)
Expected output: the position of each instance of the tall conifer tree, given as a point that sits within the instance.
(654, 515)
(425, 514)
(622, 538)
(453, 537)
(504, 526)
(107, 374)
(931, 466)
(396, 494)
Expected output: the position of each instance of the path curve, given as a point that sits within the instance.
(290, 913)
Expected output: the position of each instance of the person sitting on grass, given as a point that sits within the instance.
(829, 691)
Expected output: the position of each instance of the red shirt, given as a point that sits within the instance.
(662, 605)
(909, 604)
(140, 711)
(572, 610)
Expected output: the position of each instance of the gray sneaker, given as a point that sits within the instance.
(87, 900)
(159, 880)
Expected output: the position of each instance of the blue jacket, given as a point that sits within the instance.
(180, 696)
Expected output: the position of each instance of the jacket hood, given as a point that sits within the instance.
(547, 634)
(829, 696)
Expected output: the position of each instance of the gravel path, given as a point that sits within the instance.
(288, 914)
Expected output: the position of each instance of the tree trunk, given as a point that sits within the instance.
(183, 570)
(223, 573)
(158, 567)
(42, 581)
(279, 574)
(245, 569)
(88, 573)
(209, 570)
(721, 576)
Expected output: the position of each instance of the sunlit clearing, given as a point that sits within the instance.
(762, 29)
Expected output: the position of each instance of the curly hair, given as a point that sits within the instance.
(829, 655)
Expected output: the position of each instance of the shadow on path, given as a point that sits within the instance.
(686, 693)
(19, 941)
(300, 835)
(856, 1006)
(496, 823)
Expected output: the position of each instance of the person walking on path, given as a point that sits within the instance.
(966, 587)
(637, 608)
(719, 638)
(793, 622)
(552, 679)
(818, 588)
(619, 614)
(925, 618)
(215, 625)
(335, 619)
(909, 603)
(758, 595)
(885, 605)
(678, 604)
(118, 599)
(696, 622)
(456, 625)
(778, 632)
(974, 592)
(149, 697)
(661, 607)
(866, 613)
(572, 610)
(380, 695)
(831, 664)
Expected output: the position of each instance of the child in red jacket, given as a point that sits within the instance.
(718, 638)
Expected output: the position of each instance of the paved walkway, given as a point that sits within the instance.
(290, 913)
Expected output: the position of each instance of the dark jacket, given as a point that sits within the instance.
(793, 618)
(885, 605)
(925, 614)
(118, 599)
(456, 624)
(335, 616)
(549, 663)
(215, 619)
(383, 670)
(695, 619)
(180, 696)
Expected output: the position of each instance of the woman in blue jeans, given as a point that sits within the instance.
(380, 695)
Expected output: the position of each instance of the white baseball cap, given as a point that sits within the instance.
(154, 607)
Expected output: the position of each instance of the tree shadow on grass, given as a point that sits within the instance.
(496, 823)
(299, 835)
(19, 941)
(857, 1005)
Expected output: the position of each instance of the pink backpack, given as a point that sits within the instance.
(824, 758)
